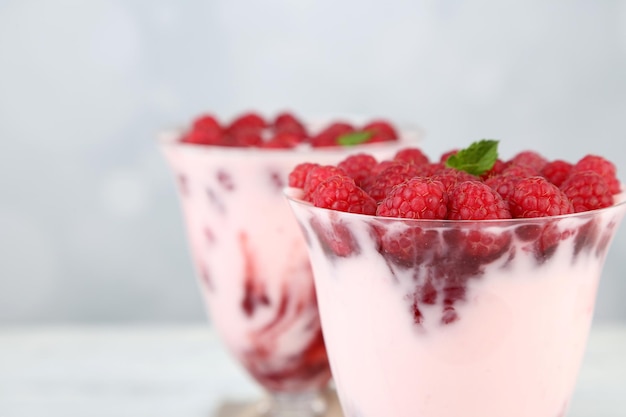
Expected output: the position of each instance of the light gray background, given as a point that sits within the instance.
(90, 228)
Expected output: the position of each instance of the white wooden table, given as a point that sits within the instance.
(183, 371)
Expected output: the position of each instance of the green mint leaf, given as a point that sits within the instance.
(354, 138)
(476, 159)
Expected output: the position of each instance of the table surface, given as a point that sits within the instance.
(184, 371)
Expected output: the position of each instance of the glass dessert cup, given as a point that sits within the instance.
(252, 263)
(455, 318)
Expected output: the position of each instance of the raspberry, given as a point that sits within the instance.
(586, 236)
(381, 166)
(376, 170)
(316, 175)
(497, 169)
(503, 184)
(381, 129)
(587, 191)
(246, 137)
(556, 171)
(298, 175)
(204, 137)
(600, 166)
(537, 197)
(531, 159)
(409, 247)
(247, 121)
(245, 131)
(288, 123)
(486, 246)
(523, 171)
(474, 200)
(547, 240)
(205, 130)
(446, 155)
(412, 156)
(450, 177)
(481, 246)
(428, 170)
(206, 122)
(329, 136)
(283, 140)
(379, 186)
(342, 194)
(336, 240)
(417, 198)
(358, 166)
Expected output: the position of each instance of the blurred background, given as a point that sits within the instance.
(90, 227)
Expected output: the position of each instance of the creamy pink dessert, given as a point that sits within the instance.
(446, 317)
(251, 257)
(453, 336)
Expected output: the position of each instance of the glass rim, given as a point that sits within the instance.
(289, 192)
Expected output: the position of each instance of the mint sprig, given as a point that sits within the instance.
(354, 138)
(476, 159)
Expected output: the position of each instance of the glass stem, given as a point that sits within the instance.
(306, 404)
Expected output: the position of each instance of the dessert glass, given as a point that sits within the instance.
(252, 263)
(455, 318)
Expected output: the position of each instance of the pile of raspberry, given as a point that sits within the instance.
(283, 132)
(411, 186)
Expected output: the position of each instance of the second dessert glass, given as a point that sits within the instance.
(252, 262)
(437, 318)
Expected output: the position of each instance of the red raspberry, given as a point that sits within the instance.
(600, 166)
(246, 137)
(358, 166)
(376, 170)
(342, 194)
(380, 185)
(203, 137)
(409, 247)
(531, 159)
(537, 197)
(205, 130)
(428, 170)
(381, 166)
(446, 155)
(417, 198)
(247, 121)
(412, 156)
(523, 171)
(335, 239)
(206, 122)
(329, 136)
(450, 177)
(283, 140)
(587, 191)
(288, 123)
(486, 245)
(547, 242)
(497, 169)
(474, 200)
(246, 130)
(479, 244)
(316, 175)
(586, 236)
(298, 175)
(503, 184)
(556, 171)
(381, 129)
